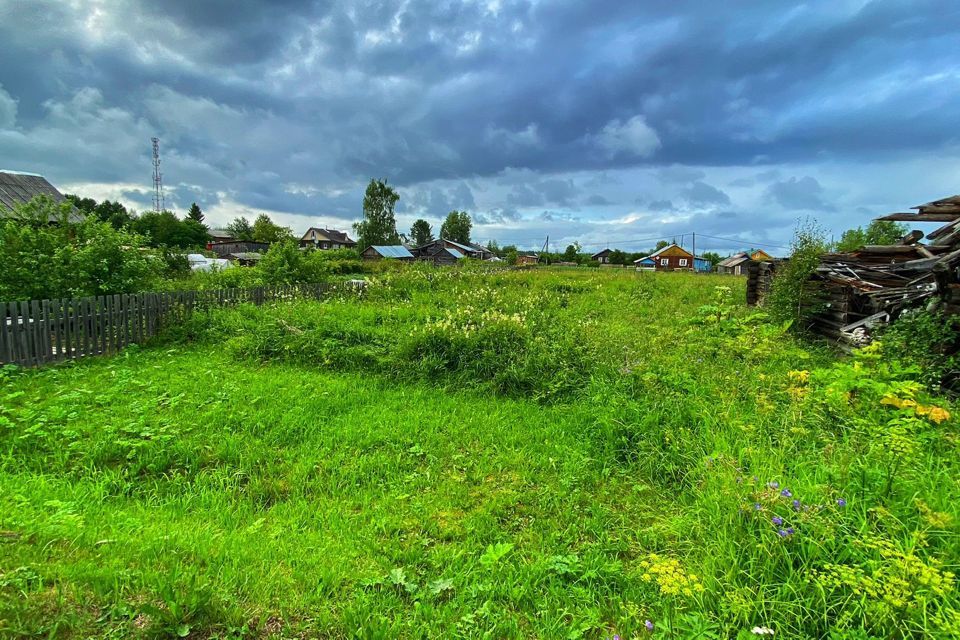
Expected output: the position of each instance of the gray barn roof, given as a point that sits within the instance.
(20, 188)
(392, 251)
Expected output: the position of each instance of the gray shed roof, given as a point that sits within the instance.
(20, 188)
(392, 251)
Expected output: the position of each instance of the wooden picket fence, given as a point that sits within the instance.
(38, 332)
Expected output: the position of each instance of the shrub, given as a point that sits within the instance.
(44, 259)
(794, 296)
(928, 342)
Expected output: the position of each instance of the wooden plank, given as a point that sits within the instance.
(113, 322)
(138, 317)
(95, 324)
(107, 327)
(47, 342)
(911, 238)
(83, 337)
(921, 217)
(36, 332)
(885, 249)
(6, 346)
(23, 325)
(68, 335)
(147, 315)
(56, 326)
(946, 229)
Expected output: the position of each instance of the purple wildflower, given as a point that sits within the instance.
(777, 520)
(786, 493)
(841, 502)
(791, 530)
(773, 485)
(648, 625)
(783, 533)
(796, 505)
(756, 506)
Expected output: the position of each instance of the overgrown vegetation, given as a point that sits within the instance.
(477, 453)
(44, 255)
(793, 296)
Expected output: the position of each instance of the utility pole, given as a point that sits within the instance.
(694, 252)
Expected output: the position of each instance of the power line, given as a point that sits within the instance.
(609, 243)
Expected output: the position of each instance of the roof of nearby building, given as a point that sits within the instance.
(601, 253)
(643, 259)
(734, 260)
(246, 255)
(465, 247)
(20, 188)
(667, 248)
(330, 234)
(392, 251)
(453, 252)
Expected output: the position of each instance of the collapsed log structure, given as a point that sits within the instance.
(874, 284)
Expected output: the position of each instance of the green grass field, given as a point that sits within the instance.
(463, 453)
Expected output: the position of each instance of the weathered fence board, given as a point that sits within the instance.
(37, 332)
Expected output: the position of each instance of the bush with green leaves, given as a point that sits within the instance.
(44, 255)
(793, 295)
(927, 342)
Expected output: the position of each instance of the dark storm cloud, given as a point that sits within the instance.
(702, 194)
(804, 193)
(291, 106)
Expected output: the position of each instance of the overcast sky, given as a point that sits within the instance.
(603, 121)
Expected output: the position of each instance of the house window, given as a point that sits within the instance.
(683, 262)
(664, 262)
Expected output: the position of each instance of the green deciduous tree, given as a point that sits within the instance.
(265, 230)
(619, 257)
(421, 233)
(572, 252)
(877, 232)
(379, 224)
(164, 229)
(457, 227)
(241, 229)
(107, 211)
(713, 257)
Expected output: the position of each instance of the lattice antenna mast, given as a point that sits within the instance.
(158, 202)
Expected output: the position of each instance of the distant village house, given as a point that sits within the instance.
(672, 257)
(325, 239)
(737, 263)
(603, 257)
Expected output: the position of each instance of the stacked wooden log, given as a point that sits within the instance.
(875, 283)
(759, 279)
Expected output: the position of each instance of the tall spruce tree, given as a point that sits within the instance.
(195, 213)
(421, 233)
